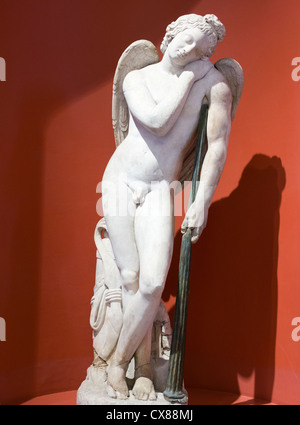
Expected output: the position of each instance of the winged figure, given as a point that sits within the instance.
(155, 112)
(143, 53)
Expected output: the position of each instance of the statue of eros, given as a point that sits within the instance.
(156, 107)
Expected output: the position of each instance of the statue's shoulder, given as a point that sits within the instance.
(137, 77)
(215, 76)
(217, 85)
(234, 79)
(225, 82)
(132, 80)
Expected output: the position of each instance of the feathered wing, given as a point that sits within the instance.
(139, 54)
(234, 75)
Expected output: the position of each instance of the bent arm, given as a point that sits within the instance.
(218, 130)
(160, 117)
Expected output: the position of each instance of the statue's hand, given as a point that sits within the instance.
(195, 221)
(199, 68)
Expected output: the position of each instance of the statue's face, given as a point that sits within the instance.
(188, 46)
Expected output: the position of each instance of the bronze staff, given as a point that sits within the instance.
(174, 391)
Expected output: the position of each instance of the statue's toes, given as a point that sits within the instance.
(152, 396)
(140, 395)
(116, 384)
(115, 394)
(144, 390)
(121, 396)
(111, 392)
(144, 397)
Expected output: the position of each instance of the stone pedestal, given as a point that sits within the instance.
(92, 391)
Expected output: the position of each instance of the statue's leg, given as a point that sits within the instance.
(143, 388)
(154, 234)
(119, 211)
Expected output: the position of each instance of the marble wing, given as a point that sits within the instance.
(234, 75)
(139, 54)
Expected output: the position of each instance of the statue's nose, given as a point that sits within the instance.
(189, 47)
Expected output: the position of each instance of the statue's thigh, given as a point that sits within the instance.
(120, 227)
(154, 233)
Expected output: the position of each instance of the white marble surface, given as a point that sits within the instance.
(156, 106)
(90, 393)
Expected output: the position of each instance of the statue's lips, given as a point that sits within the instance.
(181, 54)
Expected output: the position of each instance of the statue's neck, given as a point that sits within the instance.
(167, 65)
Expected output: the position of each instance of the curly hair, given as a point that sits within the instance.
(209, 24)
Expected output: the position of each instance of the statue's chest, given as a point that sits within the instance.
(194, 100)
(160, 86)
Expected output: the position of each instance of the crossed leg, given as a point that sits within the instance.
(143, 250)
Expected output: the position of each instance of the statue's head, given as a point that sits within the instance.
(208, 25)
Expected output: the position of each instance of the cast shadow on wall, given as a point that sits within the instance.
(232, 314)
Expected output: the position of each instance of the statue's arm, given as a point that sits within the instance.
(218, 130)
(160, 117)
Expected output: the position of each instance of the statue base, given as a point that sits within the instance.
(93, 391)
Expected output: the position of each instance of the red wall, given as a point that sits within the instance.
(56, 140)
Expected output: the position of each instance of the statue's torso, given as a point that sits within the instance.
(145, 157)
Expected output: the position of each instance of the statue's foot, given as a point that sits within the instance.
(116, 382)
(143, 389)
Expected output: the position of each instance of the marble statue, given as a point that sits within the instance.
(156, 106)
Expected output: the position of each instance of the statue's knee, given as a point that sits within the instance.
(152, 286)
(129, 280)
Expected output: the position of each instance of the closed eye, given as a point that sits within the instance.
(188, 39)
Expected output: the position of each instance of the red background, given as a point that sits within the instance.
(56, 138)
